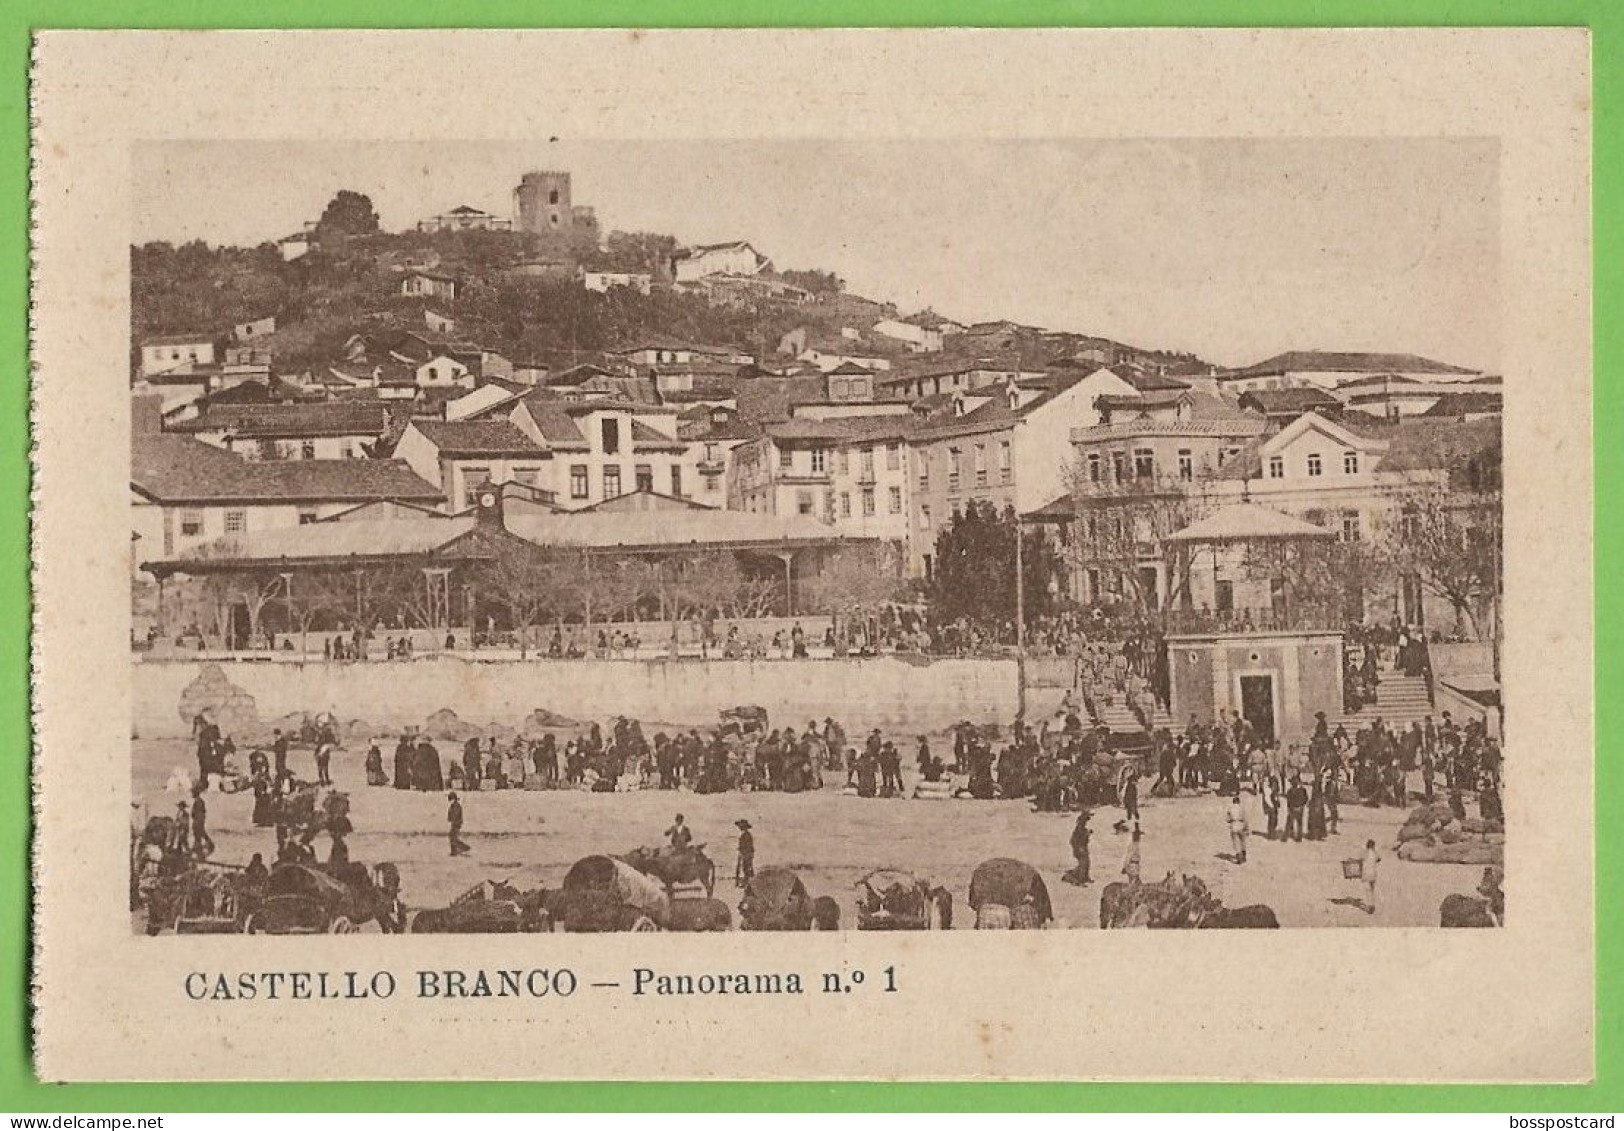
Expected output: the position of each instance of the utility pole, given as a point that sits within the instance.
(1020, 624)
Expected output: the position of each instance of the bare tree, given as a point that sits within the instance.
(1450, 542)
(1120, 526)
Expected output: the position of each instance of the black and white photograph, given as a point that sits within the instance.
(819, 536)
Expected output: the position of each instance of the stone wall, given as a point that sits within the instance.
(897, 695)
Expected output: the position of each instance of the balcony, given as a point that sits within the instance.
(1240, 622)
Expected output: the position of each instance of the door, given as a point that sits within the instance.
(1225, 593)
(237, 630)
(1148, 578)
(1257, 704)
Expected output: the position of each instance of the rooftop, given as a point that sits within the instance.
(477, 438)
(178, 469)
(1319, 361)
(1248, 522)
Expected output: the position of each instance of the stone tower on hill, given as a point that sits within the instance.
(542, 207)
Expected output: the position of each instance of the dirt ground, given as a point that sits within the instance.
(832, 840)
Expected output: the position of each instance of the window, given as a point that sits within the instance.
(643, 476)
(924, 470)
(710, 453)
(828, 506)
(578, 481)
(1350, 463)
(306, 517)
(1186, 465)
(845, 504)
(868, 463)
(268, 449)
(786, 459)
(528, 476)
(308, 449)
(552, 197)
(236, 522)
(1314, 467)
(676, 481)
(924, 518)
(473, 478)
(1144, 463)
(1093, 467)
(713, 483)
(803, 502)
(893, 456)
(1277, 467)
(896, 500)
(1005, 468)
(611, 436)
(1351, 526)
(845, 461)
(611, 481)
(952, 469)
(981, 465)
(1119, 466)
(820, 460)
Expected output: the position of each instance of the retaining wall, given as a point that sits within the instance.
(887, 692)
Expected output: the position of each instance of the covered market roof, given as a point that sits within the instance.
(1247, 522)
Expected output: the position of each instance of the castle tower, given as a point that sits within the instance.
(541, 204)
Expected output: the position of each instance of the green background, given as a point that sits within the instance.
(19, 1092)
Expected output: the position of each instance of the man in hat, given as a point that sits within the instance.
(679, 834)
(1080, 834)
(453, 818)
(746, 867)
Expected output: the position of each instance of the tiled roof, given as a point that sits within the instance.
(846, 428)
(1127, 429)
(178, 469)
(1440, 445)
(1278, 401)
(349, 539)
(1243, 522)
(643, 529)
(557, 428)
(290, 421)
(1318, 361)
(1456, 404)
(176, 339)
(646, 437)
(477, 437)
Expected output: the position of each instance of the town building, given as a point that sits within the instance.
(1300, 368)
(465, 218)
(323, 430)
(605, 281)
(917, 338)
(957, 377)
(429, 284)
(176, 353)
(254, 328)
(1005, 445)
(849, 472)
(185, 493)
(736, 257)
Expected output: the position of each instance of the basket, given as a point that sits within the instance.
(1353, 869)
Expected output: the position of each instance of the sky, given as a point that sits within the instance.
(1233, 249)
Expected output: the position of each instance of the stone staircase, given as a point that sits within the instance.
(1400, 701)
(1119, 717)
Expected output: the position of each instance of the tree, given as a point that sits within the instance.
(818, 282)
(1116, 527)
(348, 214)
(854, 579)
(974, 575)
(1450, 542)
